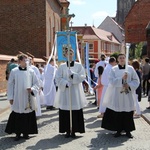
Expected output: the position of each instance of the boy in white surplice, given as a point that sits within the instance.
(119, 98)
(22, 119)
(70, 78)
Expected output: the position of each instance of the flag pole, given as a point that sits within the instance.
(69, 47)
(70, 99)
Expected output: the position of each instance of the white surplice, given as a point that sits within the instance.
(37, 72)
(49, 88)
(17, 89)
(42, 100)
(100, 63)
(104, 82)
(62, 100)
(116, 100)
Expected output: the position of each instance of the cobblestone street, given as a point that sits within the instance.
(95, 137)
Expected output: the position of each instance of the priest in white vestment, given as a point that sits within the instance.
(49, 88)
(70, 78)
(119, 99)
(22, 87)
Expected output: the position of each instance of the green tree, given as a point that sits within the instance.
(138, 50)
(115, 54)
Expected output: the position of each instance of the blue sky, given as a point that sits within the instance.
(91, 11)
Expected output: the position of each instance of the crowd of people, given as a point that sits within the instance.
(118, 90)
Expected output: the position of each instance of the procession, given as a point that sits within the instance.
(87, 90)
(37, 94)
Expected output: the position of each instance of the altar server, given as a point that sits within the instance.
(20, 93)
(70, 78)
(119, 99)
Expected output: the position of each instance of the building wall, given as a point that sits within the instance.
(136, 22)
(3, 82)
(53, 23)
(123, 7)
(109, 25)
(22, 27)
(148, 42)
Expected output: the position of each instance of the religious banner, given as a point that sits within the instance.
(87, 67)
(63, 42)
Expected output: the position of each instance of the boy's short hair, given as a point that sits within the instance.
(21, 56)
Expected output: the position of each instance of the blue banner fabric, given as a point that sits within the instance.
(62, 41)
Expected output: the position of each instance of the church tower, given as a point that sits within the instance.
(123, 7)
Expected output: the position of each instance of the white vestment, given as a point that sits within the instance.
(17, 89)
(37, 72)
(42, 100)
(100, 63)
(62, 99)
(49, 88)
(104, 82)
(137, 108)
(116, 100)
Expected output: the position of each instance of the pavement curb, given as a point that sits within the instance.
(146, 118)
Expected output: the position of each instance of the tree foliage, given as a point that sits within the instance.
(138, 50)
(115, 54)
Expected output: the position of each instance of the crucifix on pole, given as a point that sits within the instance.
(68, 16)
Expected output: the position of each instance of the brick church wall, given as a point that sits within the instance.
(23, 27)
(3, 82)
(136, 22)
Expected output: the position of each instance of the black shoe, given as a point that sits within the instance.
(48, 107)
(17, 138)
(95, 103)
(52, 108)
(26, 136)
(73, 135)
(67, 135)
(117, 134)
(129, 135)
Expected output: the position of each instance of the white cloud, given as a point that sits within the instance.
(77, 2)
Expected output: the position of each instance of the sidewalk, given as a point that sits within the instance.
(4, 104)
(145, 112)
